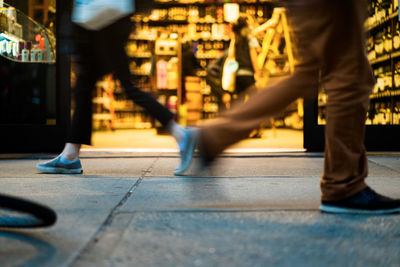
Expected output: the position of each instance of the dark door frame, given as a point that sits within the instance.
(377, 137)
(29, 138)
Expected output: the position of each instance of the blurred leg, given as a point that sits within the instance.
(143, 99)
(81, 126)
(329, 35)
(237, 123)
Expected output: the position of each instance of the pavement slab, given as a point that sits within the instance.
(201, 193)
(92, 167)
(82, 206)
(251, 210)
(249, 166)
(306, 238)
(255, 193)
(392, 163)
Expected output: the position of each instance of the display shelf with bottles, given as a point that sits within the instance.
(27, 51)
(203, 24)
(383, 46)
(24, 40)
(141, 53)
(129, 115)
(41, 10)
(383, 51)
(209, 32)
(167, 73)
(381, 12)
(113, 110)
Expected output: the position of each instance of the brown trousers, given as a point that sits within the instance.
(330, 43)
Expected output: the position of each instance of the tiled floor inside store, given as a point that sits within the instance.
(148, 138)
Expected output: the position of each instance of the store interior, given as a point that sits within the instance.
(161, 44)
(176, 32)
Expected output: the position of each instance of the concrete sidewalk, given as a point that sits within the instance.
(253, 210)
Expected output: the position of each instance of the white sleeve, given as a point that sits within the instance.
(253, 42)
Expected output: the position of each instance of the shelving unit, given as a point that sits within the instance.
(125, 114)
(202, 24)
(27, 56)
(383, 32)
(383, 119)
(199, 22)
(42, 10)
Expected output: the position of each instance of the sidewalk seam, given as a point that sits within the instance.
(114, 212)
(384, 166)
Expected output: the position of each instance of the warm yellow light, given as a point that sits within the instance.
(231, 12)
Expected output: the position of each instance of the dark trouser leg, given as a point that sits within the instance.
(348, 81)
(81, 126)
(143, 99)
(336, 46)
(339, 45)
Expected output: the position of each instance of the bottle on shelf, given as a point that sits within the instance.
(396, 113)
(371, 53)
(397, 76)
(396, 37)
(161, 73)
(388, 40)
(379, 44)
(383, 77)
(172, 73)
(383, 115)
(395, 6)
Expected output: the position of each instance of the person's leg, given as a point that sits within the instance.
(348, 81)
(71, 151)
(80, 131)
(237, 123)
(159, 112)
(147, 102)
(307, 24)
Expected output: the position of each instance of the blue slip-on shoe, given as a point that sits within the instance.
(187, 150)
(60, 165)
(365, 202)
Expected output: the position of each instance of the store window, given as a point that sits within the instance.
(161, 49)
(383, 51)
(27, 62)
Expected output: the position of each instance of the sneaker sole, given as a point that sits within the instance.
(341, 210)
(59, 170)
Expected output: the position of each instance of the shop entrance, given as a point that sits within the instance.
(171, 51)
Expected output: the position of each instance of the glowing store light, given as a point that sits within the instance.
(231, 12)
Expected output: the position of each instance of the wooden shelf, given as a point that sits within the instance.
(381, 95)
(141, 38)
(386, 57)
(139, 74)
(380, 59)
(163, 23)
(142, 55)
(377, 24)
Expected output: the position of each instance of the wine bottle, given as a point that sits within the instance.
(388, 40)
(396, 37)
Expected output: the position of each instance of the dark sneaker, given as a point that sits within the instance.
(187, 150)
(366, 201)
(60, 165)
